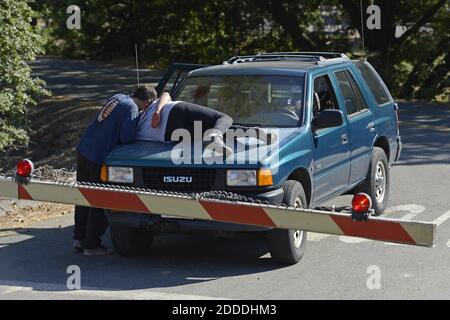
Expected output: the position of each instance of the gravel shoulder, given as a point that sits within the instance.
(21, 214)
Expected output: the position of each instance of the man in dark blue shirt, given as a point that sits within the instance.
(114, 124)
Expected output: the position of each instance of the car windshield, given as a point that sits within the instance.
(269, 101)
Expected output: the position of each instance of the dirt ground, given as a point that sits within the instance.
(57, 124)
(18, 218)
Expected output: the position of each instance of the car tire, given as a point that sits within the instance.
(376, 184)
(288, 246)
(130, 241)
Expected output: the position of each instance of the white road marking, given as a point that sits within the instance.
(34, 290)
(409, 216)
(394, 244)
(7, 233)
(16, 238)
(313, 236)
(201, 279)
(440, 220)
(448, 243)
(352, 240)
(10, 290)
(413, 209)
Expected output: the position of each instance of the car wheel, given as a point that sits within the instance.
(130, 241)
(376, 184)
(288, 246)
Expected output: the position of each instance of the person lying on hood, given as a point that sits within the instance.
(164, 116)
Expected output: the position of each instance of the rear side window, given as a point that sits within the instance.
(350, 99)
(374, 83)
(359, 98)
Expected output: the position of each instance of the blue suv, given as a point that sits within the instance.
(336, 128)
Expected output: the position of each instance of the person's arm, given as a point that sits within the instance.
(165, 98)
(129, 124)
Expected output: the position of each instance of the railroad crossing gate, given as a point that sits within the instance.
(201, 207)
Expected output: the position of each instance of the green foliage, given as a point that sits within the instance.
(20, 42)
(210, 31)
(413, 61)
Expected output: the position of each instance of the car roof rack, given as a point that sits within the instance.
(316, 57)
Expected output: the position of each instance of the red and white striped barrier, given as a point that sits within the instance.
(376, 228)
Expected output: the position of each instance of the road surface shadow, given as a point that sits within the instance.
(425, 130)
(42, 255)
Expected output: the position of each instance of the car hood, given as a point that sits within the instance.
(157, 154)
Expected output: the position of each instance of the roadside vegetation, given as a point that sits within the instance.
(20, 42)
(410, 49)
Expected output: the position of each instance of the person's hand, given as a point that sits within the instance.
(156, 118)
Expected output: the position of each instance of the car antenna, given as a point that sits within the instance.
(362, 30)
(137, 63)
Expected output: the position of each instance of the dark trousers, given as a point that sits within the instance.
(183, 115)
(90, 223)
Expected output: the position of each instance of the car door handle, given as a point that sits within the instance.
(371, 126)
(344, 138)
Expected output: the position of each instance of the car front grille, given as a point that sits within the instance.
(179, 179)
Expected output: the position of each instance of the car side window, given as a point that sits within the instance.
(359, 98)
(350, 99)
(373, 82)
(324, 96)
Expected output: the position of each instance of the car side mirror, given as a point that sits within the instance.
(328, 118)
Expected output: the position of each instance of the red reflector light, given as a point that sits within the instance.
(24, 168)
(361, 203)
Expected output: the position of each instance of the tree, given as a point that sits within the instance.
(413, 60)
(423, 46)
(414, 64)
(20, 42)
(191, 31)
(211, 31)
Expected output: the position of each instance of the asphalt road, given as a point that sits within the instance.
(34, 262)
(90, 80)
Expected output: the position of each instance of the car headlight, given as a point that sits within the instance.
(120, 174)
(241, 178)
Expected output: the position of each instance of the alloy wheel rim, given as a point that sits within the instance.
(380, 182)
(298, 234)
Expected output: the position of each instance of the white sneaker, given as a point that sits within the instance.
(219, 147)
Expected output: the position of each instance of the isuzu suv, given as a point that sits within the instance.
(336, 129)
